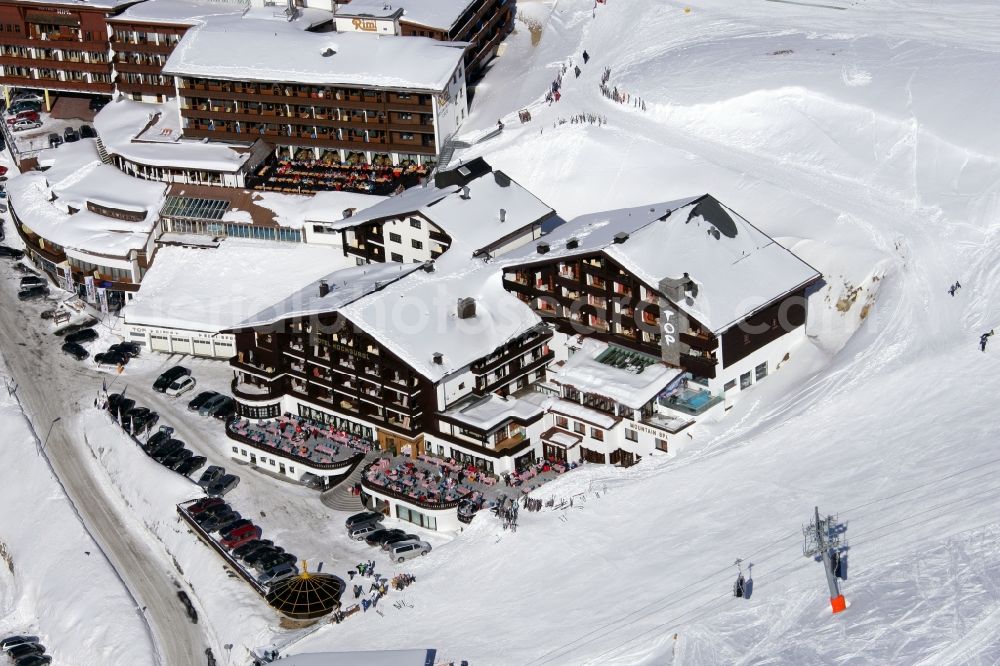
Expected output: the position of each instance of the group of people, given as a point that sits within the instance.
(985, 337)
(378, 588)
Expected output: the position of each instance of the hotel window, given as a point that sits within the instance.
(398, 258)
(597, 434)
(562, 422)
(415, 223)
(631, 435)
(731, 384)
(745, 380)
(761, 371)
(235, 450)
(417, 245)
(579, 428)
(395, 238)
(661, 444)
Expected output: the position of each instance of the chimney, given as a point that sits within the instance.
(621, 237)
(572, 244)
(438, 358)
(503, 215)
(324, 288)
(502, 179)
(466, 308)
(542, 248)
(428, 266)
(465, 192)
(348, 212)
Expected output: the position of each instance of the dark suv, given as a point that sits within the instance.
(169, 377)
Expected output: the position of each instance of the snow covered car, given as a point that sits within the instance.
(181, 386)
(11, 641)
(30, 293)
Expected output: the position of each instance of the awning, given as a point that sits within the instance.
(51, 18)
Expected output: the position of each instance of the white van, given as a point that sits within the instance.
(405, 550)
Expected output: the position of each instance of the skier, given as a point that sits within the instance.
(586, 57)
(576, 70)
(982, 340)
(955, 287)
(500, 125)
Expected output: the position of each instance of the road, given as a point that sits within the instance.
(41, 371)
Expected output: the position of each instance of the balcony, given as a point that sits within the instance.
(699, 366)
(253, 392)
(702, 342)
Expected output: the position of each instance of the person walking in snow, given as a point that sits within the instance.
(982, 340)
(586, 57)
(955, 287)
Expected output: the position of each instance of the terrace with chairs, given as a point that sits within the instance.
(441, 483)
(306, 174)
(300, 439)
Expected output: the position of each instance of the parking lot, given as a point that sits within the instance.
(67, 113)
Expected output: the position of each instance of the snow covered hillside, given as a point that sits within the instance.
(860, 134)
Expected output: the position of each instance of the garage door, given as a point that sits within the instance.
(159, 343)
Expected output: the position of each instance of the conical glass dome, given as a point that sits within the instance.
(306, 596)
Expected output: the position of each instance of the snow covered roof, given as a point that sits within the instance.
(737, 267)
(77, 4)
(295, 210)
(417, 318)
(260, 50)
(346, 285)
(472, 218)
(586, 373)
(150, 134)
(77, 176)
(487, 412)
(213, 289)
(439, 14)
(179, 12)
(571, 409)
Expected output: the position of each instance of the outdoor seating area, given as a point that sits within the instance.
(302, 438)
(431, 480)
(311, 175)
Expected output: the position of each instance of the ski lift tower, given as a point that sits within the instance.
(822, 538)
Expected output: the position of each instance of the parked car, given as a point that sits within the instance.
(22, 106)
(119, 404)
(360, 532)
(157, 438)
(210, 405)
(27, 96)
(261, 553)
(24, 115)
(213, 513)
(200, 400)
(203, 504)
(25, 649)
(79, 326)
(32, 280)
(181, 386)
(266, 563)
(242, 525)
(10, 252)
(55, 140)
(363, 517)
(223, 485)
(98, 103)
(225, 409)
(278, 572)
(165, 449)
(3, 170)
(130, 349)
(234, 541)
(191, 465)
(138, 418)
(378, 537)
(85, 335)
(169, 377)
(31, 293)
(176, 458)
(34, 660)
(408, 549)
(70, 135)
(251, 546)
(392, 541)
(76, 351)
(110, 358)
(25, 125)
(219, 519)
(87, 132)
(211, 475)
(19, 639)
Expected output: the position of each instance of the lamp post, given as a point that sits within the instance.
(46, 440)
